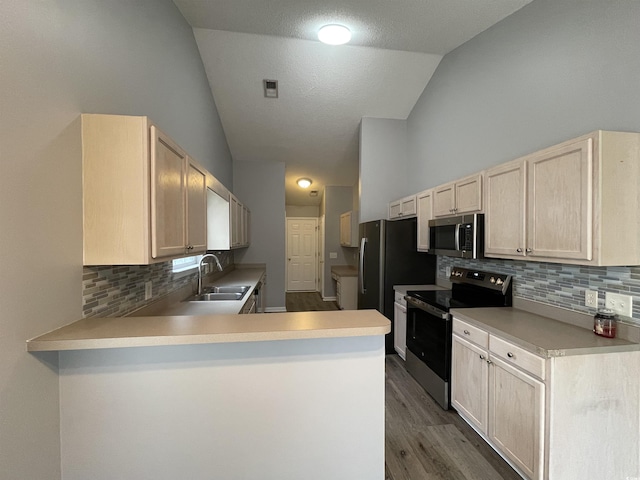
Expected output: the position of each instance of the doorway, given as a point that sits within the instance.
(302, 254)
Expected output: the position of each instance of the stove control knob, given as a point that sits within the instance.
(499, 281)
(492, 280)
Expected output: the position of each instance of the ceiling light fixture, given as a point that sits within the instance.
(304, 182)
(334, 34)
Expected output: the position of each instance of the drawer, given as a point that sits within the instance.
(471, 333)
(527, 361)
(400, 299)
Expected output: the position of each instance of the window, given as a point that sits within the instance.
(186, 263)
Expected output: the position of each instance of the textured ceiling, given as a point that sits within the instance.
(324, 91)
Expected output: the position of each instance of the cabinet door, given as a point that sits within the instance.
(516, 410)
(168, 231)
(468, 195)
(234, 221)
(400, 329)
(408, 206)
(444, 200)
(196, 208)
(469, 382)
(425, 204)
(505, 194)
(559, 211)
(345, 229)
(395, 209)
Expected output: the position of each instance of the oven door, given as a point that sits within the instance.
(429, 337)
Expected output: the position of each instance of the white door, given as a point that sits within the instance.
(321, 255)
(301, 254)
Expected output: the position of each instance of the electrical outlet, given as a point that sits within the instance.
(447, 271)
(591, 298)
(621, 304)
(333, 254)
(148, 292)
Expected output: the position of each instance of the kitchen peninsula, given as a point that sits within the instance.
(281, 395)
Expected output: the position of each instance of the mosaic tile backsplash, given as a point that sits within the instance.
(115, 291)
(558, 284)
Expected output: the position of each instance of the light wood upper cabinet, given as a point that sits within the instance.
(143, 198)
(228, 221)
(403, 208)
(349, 229)
(459, 197)
(196, 207)
(575, 202)
(425, 213)
(505, 203)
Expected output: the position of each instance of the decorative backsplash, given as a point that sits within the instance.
(115, 291)
(558, 284)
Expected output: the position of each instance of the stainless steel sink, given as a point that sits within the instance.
(228, 292)
(228, 289)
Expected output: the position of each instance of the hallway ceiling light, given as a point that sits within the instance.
(304, 182)
(334, 34)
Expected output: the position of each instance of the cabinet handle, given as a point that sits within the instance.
(482, 357)
(466, 332)
(489, 362)
(509, 354)
(519, 250)
(528, 250)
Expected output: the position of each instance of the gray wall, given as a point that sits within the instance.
(60, 59)
(383, 166)
(260, 186)
(553, 70)
(302, 210)
(336, 201)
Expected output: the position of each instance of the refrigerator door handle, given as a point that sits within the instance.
(363, 242)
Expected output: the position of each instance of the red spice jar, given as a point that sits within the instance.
(604, 323)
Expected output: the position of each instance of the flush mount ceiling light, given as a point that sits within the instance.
(304, 182)
(334, 34)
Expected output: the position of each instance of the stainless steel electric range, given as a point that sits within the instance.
(429, 324)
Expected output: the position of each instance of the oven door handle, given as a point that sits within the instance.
(436, 312)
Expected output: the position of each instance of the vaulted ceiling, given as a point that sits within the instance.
(324, 91)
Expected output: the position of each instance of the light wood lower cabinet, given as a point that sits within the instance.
(575, 202)
(346, 291)
(400, 325)
(562, 418)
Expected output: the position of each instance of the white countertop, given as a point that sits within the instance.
(543, 336)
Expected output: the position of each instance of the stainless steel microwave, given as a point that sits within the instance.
(460, 236)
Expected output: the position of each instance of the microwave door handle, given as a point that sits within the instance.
(458, 228)
(363, 242)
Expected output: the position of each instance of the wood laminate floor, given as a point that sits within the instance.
(307, 302)
(424, 442)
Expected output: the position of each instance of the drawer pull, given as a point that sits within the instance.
(510, 355)
(466, 332)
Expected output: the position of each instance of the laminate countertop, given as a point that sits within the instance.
(541, 335)
(95, 333)
(344, 270)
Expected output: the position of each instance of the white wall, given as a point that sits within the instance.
(60, 59)
(260, 186)
(551, 71)
(302, 210)
(383, 165)
(294, 409)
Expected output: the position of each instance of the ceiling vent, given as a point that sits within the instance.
(313, 193)
(270, 88)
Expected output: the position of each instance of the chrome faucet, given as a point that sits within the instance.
(204, 257)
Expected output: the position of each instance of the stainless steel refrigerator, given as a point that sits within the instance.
(388, 257)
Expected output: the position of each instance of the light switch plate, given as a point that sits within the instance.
(333, 254)
(148, 290)
(621, 304)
